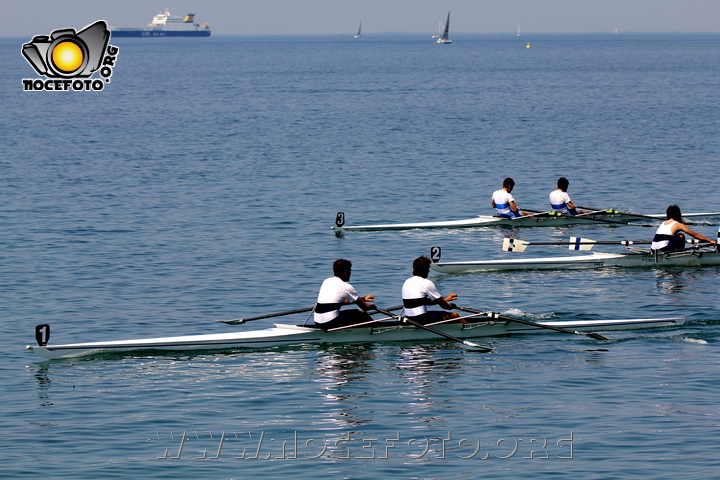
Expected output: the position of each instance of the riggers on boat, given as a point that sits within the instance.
(476, 326)
(539, 219)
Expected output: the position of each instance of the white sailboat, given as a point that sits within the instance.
(359, 28)
(518, 34)
(444, 38)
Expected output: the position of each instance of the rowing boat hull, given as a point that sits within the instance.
(297, 335)
(543, 220)
(596, 260)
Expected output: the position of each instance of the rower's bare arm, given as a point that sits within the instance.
(515, 209)
(445, 302)
(702, 238)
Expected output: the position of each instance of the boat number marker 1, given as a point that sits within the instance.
(42, 334)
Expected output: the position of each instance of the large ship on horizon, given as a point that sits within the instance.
(165, 25)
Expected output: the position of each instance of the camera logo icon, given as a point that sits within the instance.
(67, 53)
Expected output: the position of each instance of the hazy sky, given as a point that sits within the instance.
(25, 18)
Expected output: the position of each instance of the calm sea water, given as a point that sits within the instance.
(202, 183)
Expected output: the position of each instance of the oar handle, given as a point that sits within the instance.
(388, 311)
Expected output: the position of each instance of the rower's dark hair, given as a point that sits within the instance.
(673, 212)
(508, 182)
(421, 266)
(340, 266)
(563, 183)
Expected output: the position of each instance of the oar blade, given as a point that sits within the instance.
(237, 321)
(475, 347)
(577, 243)
(596, 336)
(514, 245)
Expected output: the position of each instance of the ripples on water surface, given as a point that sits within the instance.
(202, 184)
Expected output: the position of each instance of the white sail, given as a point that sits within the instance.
(444, 38)
(441, 28)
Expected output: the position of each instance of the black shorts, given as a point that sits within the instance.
(677, 243)
(345, 318)
(429, 317)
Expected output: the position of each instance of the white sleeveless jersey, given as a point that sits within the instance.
(662, 236)
(333, 293)
(418, 289)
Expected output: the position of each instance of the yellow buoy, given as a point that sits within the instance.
(528, 45)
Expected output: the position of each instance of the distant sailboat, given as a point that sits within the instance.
(359, 28)
(441, 29)
(518, 31)
(446, 31)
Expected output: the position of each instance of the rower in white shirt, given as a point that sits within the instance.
(418, 292)
(335, 292)
(669, 236)
(560, 200)
(504, 202)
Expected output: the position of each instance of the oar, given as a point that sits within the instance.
(575, 243)
(370, 322)
(533, 213)
(238, 321)
(588, 216)
(553, 212)
(467, 344)
(596, 336)
(628, 214)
